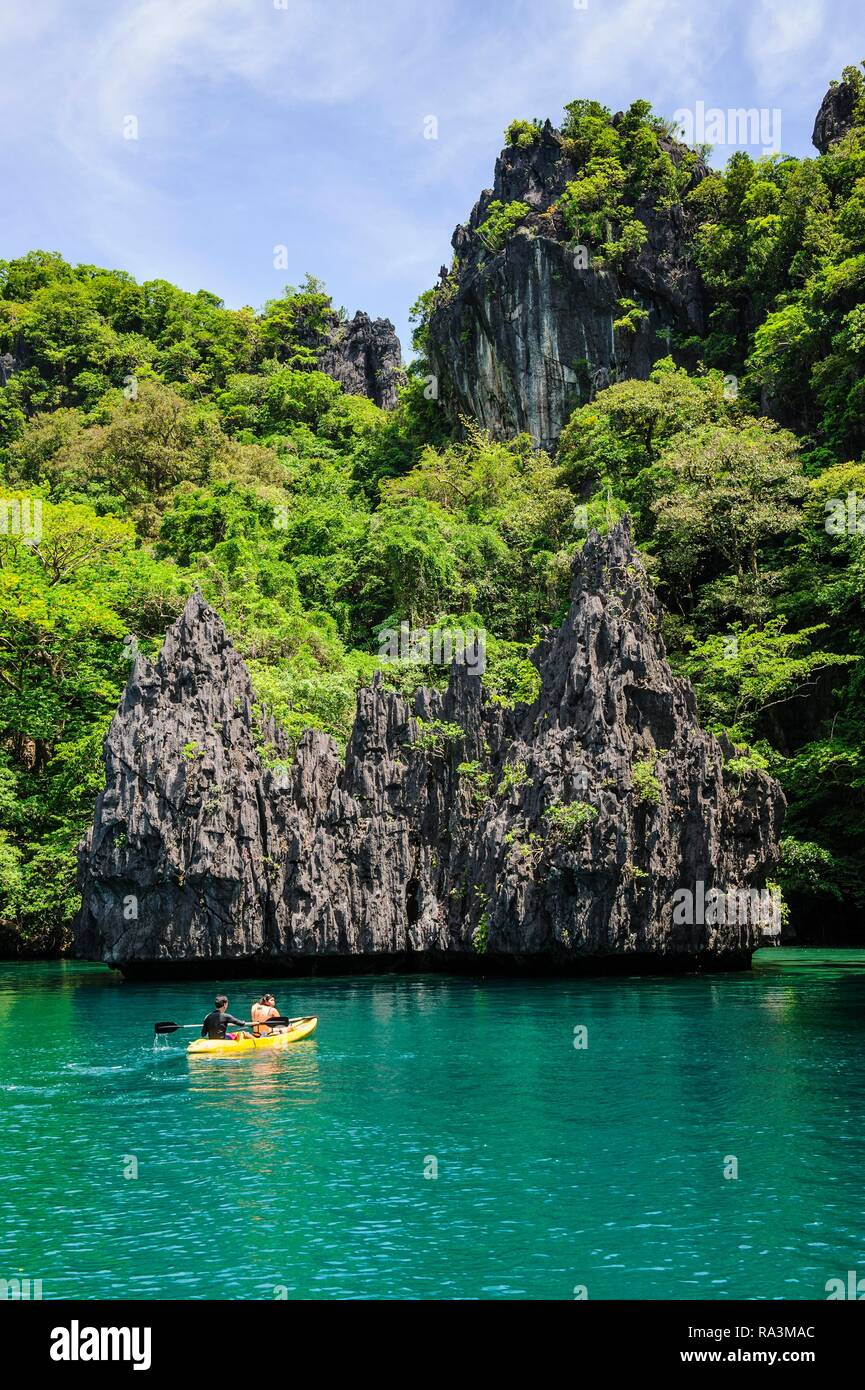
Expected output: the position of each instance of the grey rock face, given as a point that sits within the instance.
(835, 116)
(523, 336)
(9, 365)
(202, 850)
(363, 355)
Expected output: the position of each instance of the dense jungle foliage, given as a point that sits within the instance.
(174, 443)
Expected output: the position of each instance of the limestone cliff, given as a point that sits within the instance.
(521, 335)
(554, 834)
(835, 116)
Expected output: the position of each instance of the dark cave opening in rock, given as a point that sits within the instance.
(412, 901)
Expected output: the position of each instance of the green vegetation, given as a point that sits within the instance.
(501, 221)
(647, 787)
(781, 246)
(514, 776)
(568, 825)
(765, 609)
(631, 316)
(481, 935)
(477, 780)
(523, 134)
(745, 477)
(174, 443)
(618, 164)
(433, 735)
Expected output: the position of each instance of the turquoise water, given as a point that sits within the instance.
(305, 1172)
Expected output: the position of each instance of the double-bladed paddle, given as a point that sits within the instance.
(267, 1023)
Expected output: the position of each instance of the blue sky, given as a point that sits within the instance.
(264, 123)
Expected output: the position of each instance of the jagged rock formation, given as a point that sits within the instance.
(204, 849)
(835, 116)
(519, 338)
(363, 355)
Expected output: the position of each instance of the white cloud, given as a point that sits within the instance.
(148, 59)
(795, 49)
(328, 97)
(781, 35)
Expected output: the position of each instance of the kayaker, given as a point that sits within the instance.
(262, 1010)
(217, 1021)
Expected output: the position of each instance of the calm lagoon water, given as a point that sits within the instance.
(557, 1167)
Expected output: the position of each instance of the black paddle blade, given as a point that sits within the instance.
(166, 1027)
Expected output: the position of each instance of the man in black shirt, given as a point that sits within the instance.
(217, 1021)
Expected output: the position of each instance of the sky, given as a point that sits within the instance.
(191, 140)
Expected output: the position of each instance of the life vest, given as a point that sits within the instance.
(259, 1013)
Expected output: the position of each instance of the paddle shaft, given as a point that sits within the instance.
(280, 1022)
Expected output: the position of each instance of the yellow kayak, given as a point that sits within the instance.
(222, 1047)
